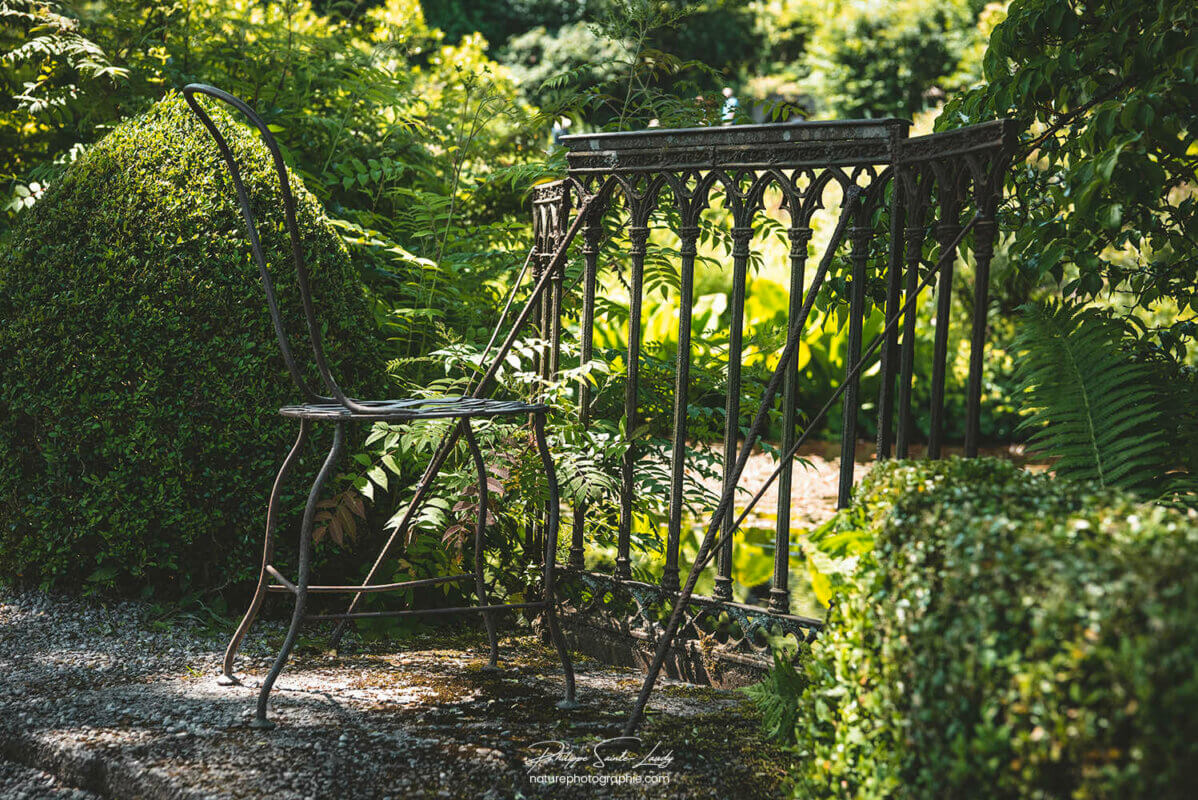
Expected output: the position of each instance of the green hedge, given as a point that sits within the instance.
(1003, 634)
(139, 374)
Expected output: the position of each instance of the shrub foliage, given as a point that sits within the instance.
(140, 376)
(1003, 634)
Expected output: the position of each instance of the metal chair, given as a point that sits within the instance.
(337, 408)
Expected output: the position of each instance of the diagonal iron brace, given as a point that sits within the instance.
(713, 537)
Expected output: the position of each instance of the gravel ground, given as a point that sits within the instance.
(19, 782)
(104, 699)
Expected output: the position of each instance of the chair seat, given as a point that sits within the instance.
(414, 408)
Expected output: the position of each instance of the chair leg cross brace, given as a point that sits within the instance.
(301, 588)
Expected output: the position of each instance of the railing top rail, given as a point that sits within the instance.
(993, 135)
(776, 145)
(773, 145)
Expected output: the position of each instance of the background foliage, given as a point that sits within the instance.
(1102, 204)
(397, 132)
(420, 127)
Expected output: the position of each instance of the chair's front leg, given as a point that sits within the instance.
(550, 597)
(480, 529)
(227, 677)
(305, 568)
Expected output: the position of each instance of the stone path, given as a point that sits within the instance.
(816, 481)
(104, 700)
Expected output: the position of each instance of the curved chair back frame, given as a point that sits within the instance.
(297, 253)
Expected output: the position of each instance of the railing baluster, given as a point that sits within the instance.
(555, 328)
(859, 235)
(800, 235)
(543, 359)
(639, 236)
(545, 368)
(689, 235)
(592, 232)
(894, 270)
(983, 251)
(545, 350)
(902, 441)
(741, 234)
(946, 232)
(984, 232)
(558, 212)
(532, 532)
(914, 234)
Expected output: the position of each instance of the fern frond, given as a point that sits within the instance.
(777, 697)
(1093, 408)
(584, 478)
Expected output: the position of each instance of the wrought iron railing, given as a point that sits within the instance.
(901, 206)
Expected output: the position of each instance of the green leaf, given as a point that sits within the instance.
(377, 475)
(102, 575)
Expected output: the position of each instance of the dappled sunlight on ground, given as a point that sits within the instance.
(109, 700)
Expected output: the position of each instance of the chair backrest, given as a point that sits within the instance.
(297, 253)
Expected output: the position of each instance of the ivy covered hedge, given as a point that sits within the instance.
(140, 378)
(998, 633)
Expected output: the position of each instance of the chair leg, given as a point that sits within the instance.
(305, 568)
(480, 529)
(555, 633)
(227, 678)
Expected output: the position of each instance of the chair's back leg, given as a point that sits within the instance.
(480, 529)
(550, 596)
(227, 677)
(305, 569)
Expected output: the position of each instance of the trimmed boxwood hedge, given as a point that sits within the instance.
(1003, 634)
(140, 378)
